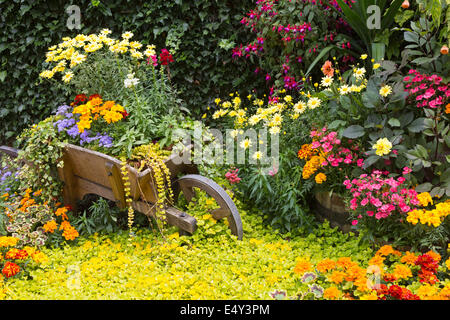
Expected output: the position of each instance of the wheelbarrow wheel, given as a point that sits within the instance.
(227, 208)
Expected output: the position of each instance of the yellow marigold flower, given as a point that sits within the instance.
(425, 199)
(385, 91)
(303, 265)
(383, 146)
(332, 293)
(447, 263)
(363, 56)
(320, 177)
(8, 241)
(370, 296)
(402, 272)
(39, 257)
(376, 66)
(427, 292)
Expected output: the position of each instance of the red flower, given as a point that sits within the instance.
(92, 96)
(428, 268)
(165, 57)
(125, 114)
(10, 269)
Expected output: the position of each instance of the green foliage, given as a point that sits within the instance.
(358, 17)
(202, 68)
(41, 151)
(110, 267)
(101, 217)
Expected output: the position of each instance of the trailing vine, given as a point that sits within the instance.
(127, 190)
(150, 156)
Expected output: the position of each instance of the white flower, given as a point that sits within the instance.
(359, 72)
(314, 103)
(257, 155)
(246, 143)
(127, 35)
(327, 81)
(344, 89)
(299, 107)
(130, 81)
(67, 76)
(274, 130)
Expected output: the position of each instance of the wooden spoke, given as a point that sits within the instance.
(227, 208)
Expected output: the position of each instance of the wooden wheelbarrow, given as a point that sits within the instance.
(90, 172)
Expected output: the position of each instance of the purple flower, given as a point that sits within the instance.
(64, 124)
(105, 141)
(73, 132)
(62, 110)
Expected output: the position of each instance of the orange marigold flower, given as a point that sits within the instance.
(447, 263)
(50, 226)
(377, 260)
(305, 152)
(326, 265)
(346, 262)
(337, 276)
(60, 211)
(332, 293)
(302, 266)
(447, 108)
(436, 256)
(10, 269)
(409, 258)
(70, 233)
(64, 225)
(385, 250)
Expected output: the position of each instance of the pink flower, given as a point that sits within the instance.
(354, 222)
(370, 213)
(360, 163)
(429, 93)
(364, 202)
(406, 170)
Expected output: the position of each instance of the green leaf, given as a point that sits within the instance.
(417, 125)
(353, 132)
(394, 122)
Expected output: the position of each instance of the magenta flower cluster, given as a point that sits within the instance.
(336, 153)
(380, 196)
(426, 91)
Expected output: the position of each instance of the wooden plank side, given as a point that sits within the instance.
(116, 183)
(174, 216)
